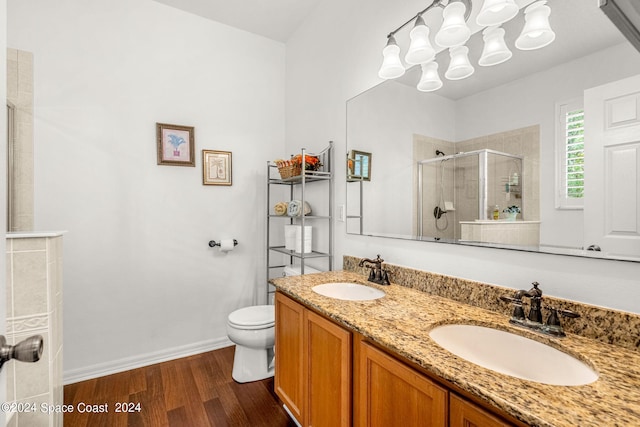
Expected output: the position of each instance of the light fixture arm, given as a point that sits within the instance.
(435, 3)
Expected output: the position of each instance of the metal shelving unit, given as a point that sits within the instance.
(298, 191)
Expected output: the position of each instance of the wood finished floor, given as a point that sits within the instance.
(195, 391)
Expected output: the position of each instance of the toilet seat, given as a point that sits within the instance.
(253, 318)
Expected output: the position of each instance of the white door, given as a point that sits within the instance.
(612, 168)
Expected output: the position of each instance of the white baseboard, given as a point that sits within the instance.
(128, 363)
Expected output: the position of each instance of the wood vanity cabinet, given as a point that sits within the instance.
(313, 365)
(392, 394)
(313, 378)
(289, 381)
(465, 414)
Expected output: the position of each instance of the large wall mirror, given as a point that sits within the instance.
(483, 160)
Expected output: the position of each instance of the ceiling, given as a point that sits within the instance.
(274, 19)
(278, 20)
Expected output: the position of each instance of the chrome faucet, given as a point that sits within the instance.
(533, 320)
(377, 274)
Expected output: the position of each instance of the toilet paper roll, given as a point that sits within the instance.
(226, 245)
(308, 230)
(290, 236)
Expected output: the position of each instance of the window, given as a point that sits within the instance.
(570, 155)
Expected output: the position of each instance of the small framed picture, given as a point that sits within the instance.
(175, 145)
(216, 167)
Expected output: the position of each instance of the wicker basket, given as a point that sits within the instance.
(289, 171)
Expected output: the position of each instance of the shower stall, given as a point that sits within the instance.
(469, 186)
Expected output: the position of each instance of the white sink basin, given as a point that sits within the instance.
(513, 355)
(348, 291)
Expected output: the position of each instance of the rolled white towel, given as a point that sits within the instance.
(295, 208)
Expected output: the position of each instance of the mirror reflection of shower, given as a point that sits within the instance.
(440, 210)
(467, 187)
(10, 184)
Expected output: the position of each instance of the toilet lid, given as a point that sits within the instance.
(256, 317)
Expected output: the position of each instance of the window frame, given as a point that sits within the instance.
(562, 200)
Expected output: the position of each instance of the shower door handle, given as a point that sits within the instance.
(28, 350)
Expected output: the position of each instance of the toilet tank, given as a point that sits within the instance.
(294, 270)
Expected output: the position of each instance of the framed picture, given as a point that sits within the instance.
(216, 167)
(359, 166)
(175, 145)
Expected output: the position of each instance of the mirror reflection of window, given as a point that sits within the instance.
(359, 165)
(570, 154)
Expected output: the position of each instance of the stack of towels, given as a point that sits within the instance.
(306, 245)
(290, 236)
(293, 238)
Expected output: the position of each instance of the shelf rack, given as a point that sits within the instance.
(299, 184)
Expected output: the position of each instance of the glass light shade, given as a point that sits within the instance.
(495, 50)
(391, 66)
(420, 49)
(430, 79)
(459, 67)
(496, 12)
(454, 30)
(537, 32)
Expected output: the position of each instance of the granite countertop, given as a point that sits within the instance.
(401, 322)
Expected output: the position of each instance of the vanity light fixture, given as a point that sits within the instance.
(430, 79)
(420, 50)
(455, 32)
(496, 12)
(495, 49)
(459, 67)
(537, 32)
(391, 66)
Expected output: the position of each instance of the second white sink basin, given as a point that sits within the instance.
(348, 291)
(513, 355)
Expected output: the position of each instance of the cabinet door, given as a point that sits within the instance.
(289, 347)
(328, 371)
(392, 394)
(466, 414)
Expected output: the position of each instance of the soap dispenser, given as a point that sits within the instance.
(496, 212)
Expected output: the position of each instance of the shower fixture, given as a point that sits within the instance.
(438, 212)
(440, 153)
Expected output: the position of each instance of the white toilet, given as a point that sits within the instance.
(252, 330)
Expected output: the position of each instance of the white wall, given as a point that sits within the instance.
(140, 282)
(399, 111)
(334, 56)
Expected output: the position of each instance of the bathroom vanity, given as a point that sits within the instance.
(370, 363)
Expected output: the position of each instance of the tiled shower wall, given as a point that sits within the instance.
(34, 307)
(20, 94)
